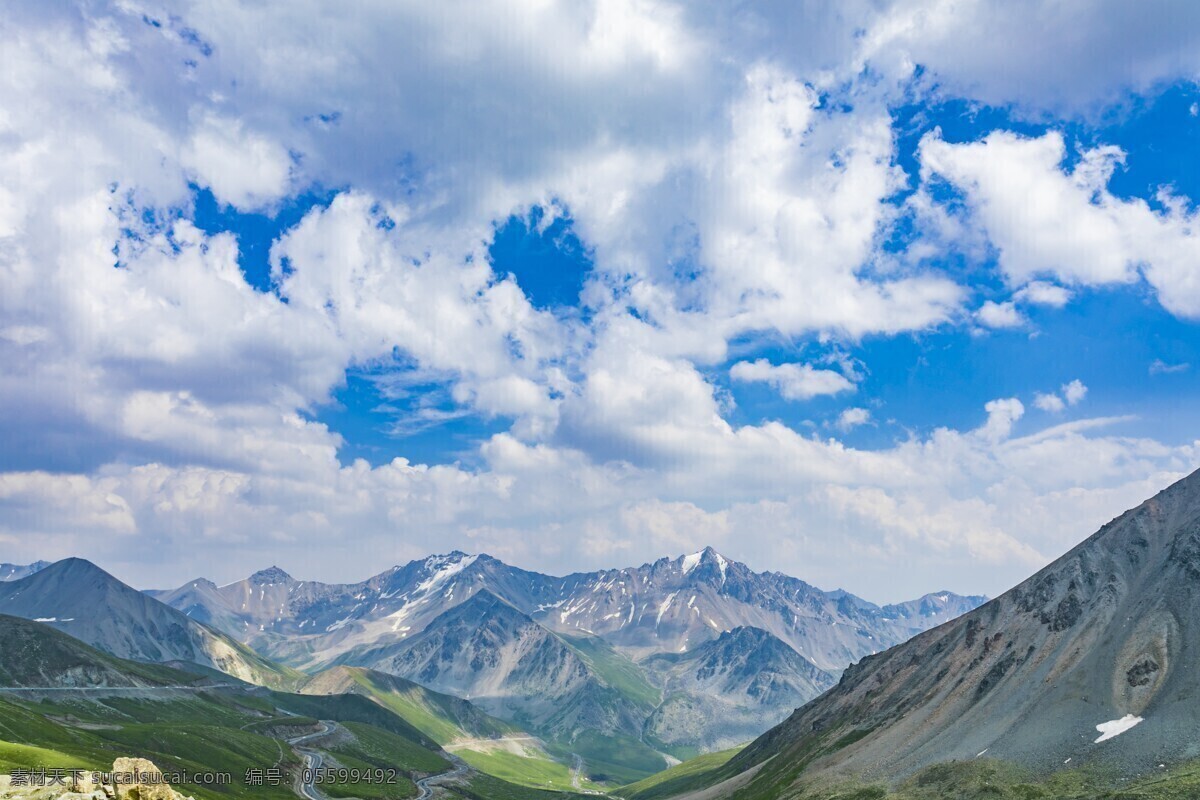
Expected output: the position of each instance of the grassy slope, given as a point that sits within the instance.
(991, 780)
(617, 671)
(210, 731)
(620, 758)
(677, 778)
(351, 708)
(428, 711)
(537, 772)
(613, 760)
(488, 787)
(374, 749)
(975, 780)
(215, 732)
(435, 715)
(195, 736)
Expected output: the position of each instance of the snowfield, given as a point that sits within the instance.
(1114, 728)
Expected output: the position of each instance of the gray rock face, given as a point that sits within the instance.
(1108, 632)
(725, 692)
(486, 651)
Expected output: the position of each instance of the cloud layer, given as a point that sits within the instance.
(733, 182)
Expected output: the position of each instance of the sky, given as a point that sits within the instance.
(893, 295)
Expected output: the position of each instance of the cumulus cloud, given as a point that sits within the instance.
(1074, 57)
(793, 381)
(733, 183)
(241, 168)
(999, 315)
(1043, 294)
(851, 418)
(1074, 391)
(1055, 402)
(1049, 221)
(1002, 415)
(1049, 402)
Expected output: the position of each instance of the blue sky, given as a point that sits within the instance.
(895, 297)
(1110, 339)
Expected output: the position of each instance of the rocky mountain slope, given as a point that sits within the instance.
(676, 604)
(80, 599)
(488, 652)
(1090, 661)
(724, 692)
(14, 572)
(36, 655)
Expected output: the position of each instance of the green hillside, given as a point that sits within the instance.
(679, 778)
(441, 717)
(66, 705)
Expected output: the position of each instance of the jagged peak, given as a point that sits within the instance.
(708, 555)
(746, 632)
(196, 583)
(269, 576)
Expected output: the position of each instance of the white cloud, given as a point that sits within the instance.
(1002, 415)
(1074, 57)
(853, 417)
(243, 169)
(1043, 294)
(1160, 367)
(1074, 391)
(992, 505)
(1048, 222)
(164, 409)
(793, 381)
(1049, 402)
(1071, 394)
(999, 315)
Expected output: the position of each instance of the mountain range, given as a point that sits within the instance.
(583, 655)
(1088, 667)
(626, 669)
(14, 572)
(669, 605)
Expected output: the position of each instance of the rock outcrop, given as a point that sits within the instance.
(130, 779)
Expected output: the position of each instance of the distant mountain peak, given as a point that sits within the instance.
(453, 559)
(708, 555)
(270, 575)
(75, 566)
(13, 572)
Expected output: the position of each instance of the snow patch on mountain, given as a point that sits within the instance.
(1114, 728)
